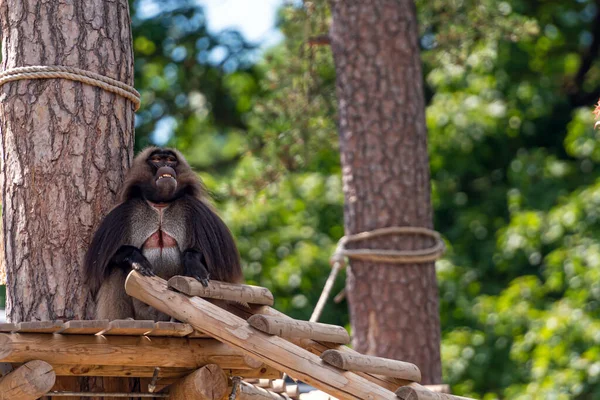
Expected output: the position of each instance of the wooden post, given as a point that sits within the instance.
(373, 365)
(235, 331)
(291, 328)
(222, 291)
(120, 351)
(28, 382)
(414, 391)
(207, 383)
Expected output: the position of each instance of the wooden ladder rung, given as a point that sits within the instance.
(222, 291)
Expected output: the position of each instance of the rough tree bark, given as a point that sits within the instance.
(393, 308)
(65, 148)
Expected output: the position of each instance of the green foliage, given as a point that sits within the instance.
(514, 160)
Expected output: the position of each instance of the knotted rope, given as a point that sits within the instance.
(338, 259)
(74, 74)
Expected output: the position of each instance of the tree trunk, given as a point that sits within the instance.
(393, 308)
(66, 147)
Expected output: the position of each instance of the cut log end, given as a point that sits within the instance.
(207, 383)
(28, 382)
(259, 322)
(407, 393)
(180, 284)
(333, 357)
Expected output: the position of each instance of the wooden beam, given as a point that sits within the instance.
(373, 365)
(291, 328)
(316, 347)
(207, 383)
(414, 391)
(235, 331)
(123, 351)
(28, 382)
(222, 290)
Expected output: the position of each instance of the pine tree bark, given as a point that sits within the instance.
(65, 148)
(385, 169)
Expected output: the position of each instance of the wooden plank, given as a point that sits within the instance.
(8, 327)
(414, 391)
(291, 328)
(222, 291)
(28, 382)
(316, 347)
(119, 350)
(40, 326)
(84, 327)
(373, 365)
(171, 329)
(206, 383)
(128, 327)
(271, 350)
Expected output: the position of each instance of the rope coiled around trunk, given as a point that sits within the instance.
(73, 74)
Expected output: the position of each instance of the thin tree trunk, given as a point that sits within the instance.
(65, 148)
(393, 308)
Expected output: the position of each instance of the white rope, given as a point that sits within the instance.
(338, 259)
(74, 74)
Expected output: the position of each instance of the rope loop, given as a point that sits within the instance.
(74, 74)
(390, 256)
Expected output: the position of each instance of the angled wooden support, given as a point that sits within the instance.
(414, 391)
(126, 351)
(373, 365)
(28, 382)
(235, 331)
(291, 328)
(222, 291)
(207, 383)
(314, 346)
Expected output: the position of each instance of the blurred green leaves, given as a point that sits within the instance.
(515, 168)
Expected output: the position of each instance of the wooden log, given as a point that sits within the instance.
(28, 382)
(414, 391)
(373, 365)
(277, 385)
(441, 388)
(314, 346)
(119, 371)
(222, 291)
(119, 350)
(207, 383)
(235, 331)
(247, 391)
(291, 328)
(292, 391)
